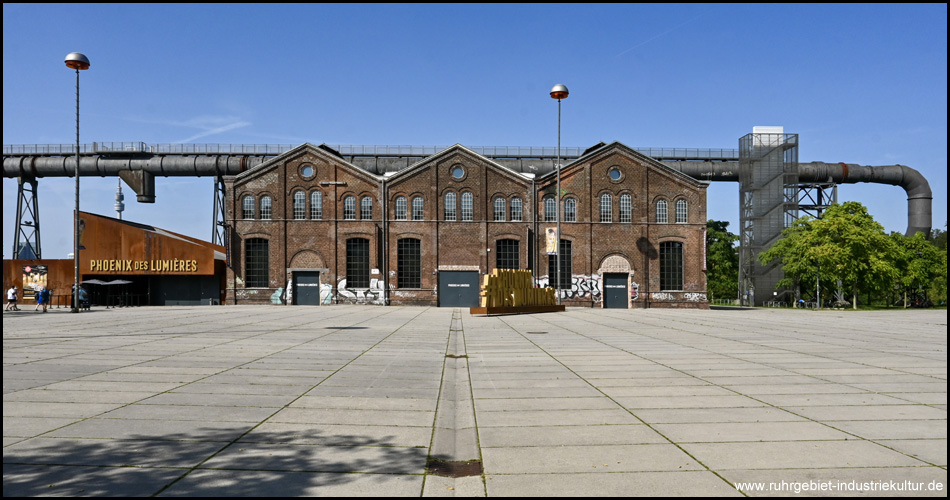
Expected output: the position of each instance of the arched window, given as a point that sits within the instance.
(357, 263)
(247, 205)
(300, 205)
(316, 205)
(550, 209)
(516, 209)
(661, 217)
(500, 209)
(418, 208)
(408, 263)
(626, 208)
(606, 207)
(400, 208)
(266, 209)
(671, 265)
(256, 263)
(570, 210)
(366, 208)
(468, 207)
(349, 208)
(450, 206)
(680, 210)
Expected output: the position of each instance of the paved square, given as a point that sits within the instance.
(368, 401)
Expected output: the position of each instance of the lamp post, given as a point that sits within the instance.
(76, 61)
(558, 92)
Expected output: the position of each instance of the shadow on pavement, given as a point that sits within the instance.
(291, 463)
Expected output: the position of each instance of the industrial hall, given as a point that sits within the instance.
(308, 227)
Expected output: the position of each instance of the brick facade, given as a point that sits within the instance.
(297, 246)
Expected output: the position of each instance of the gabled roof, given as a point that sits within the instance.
(323, 151)
(449, 151)
(601, 149)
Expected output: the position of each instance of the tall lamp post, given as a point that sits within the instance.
(76, 61)
(558, 92)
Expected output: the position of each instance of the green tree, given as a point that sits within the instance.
(722, 260)
(919, 263)
(845, 245)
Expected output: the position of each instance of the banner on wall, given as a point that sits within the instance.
(34, 279)
(551, 240)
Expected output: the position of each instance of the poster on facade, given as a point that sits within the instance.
(34, 279)
(551, 240)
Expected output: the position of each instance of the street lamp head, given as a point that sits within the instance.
(75, 60)
(559, 92)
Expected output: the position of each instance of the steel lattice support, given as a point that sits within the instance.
(26, 240)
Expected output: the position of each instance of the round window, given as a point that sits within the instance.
(307, 171)
(615, 173)
(458, 172)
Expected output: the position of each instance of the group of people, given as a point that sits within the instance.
(42, 299)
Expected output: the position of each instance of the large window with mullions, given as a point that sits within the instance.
(671, 265)
(507, 254)
(357, 263)
(256, 263)
(408, 263)
(565, 267)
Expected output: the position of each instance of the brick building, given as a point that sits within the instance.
(308, 227)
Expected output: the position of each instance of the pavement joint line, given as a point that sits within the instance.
(278, 410)
(445, 458)
(826, 424)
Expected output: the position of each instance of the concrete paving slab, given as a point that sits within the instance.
(686, 401)
(614, 484)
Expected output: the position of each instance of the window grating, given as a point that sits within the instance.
(606, 207)
(418, 208)
(661, 217)
(508, 254)
(500, 209)
(565, 267)
(680, 210)
(357, 263)
(366, 208)
(300, 205)
(550, 209)
(626, 208)
(400, 208)
(570, 210)
(316, 205)
(266, 209)
(671, 265)
(349, 208)
(467, 206)
(450, 206)
(256, 263)
(248, 207)
(408, 263)
(516, 209)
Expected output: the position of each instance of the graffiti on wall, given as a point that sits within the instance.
(582, 287)
(634, 290)
(372, 295)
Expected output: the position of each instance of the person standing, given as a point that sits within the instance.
(39, 299)
(11, 299)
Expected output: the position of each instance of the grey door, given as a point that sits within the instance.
(307, 288)
(615, 290)
(458, 289)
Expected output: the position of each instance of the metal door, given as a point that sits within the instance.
(615, 290)
(307, 288)
(458, 289)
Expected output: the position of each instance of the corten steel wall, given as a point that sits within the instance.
(598, 247)
(59, 279)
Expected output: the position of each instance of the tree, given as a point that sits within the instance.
(845, 245)
(919, 264)
(722, 260)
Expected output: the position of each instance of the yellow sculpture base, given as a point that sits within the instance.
(515, 310)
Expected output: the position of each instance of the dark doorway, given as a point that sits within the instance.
(307, 288)
(458, 289)
(615, 290)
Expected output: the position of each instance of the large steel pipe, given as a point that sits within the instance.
(94, 165)
(919, 195)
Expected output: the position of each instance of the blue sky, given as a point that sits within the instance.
(862, 84)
